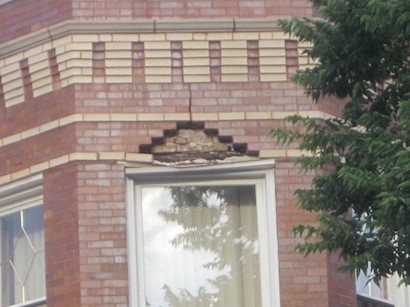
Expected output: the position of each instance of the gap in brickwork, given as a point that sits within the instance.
(253, 61)
(177, 75)
(55, 73)
(98, 62)
(292, 57)
(192, 141)
(27, 84)
(138, 62)
(215, 60)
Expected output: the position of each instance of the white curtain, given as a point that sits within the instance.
(201, 246)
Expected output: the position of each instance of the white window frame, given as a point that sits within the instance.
(259, 173)
(17, 196)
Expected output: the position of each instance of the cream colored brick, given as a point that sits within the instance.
(272, 61)
(30, 132)
(79, 63)
(83, 156)
(118, 79)
(42, 90)
(150, 117)
(41, 82)
(64, 57)
(118, 54)
(59, 161)
(117, 46)
(219, 36)
(258, 115)
(282, 114)
(272, 153)
(197, 78)
(67, 73)
(234, 53)
(14, 59)
(118, 63)
(246, 35)
(118, 71)
(234, 78)
(204, 116)
(37, 168)
(65, 82)
(272, 52)
(62, 41)
(5, 179)
(277, 69)
(49, 126)
(60, 50)
(163, 45)
(96, 117)
(86, 71)
(234, 69)
(138, 157)
(33, 51)
(147, 37)
(233, 44)
(86, 55)
(85, 38)
(177, 116)
(105, 37)
(234, 61)
(42, 74)
(15, 100)
(123, 117)
(20, 174)
(111, 155)
(80, 79)
(272, 44)
(70, 119)
(158, 79)
(179, 36)
(157, 70)
(280, 35)
(196, 53)
(273, 77)
(197, 70)
(15, 77)
(40, 57)
(231, 115)
(265, 35)
(157, 62)
(200, 36)
(8, 94)
(125, 37)
(157, 54)
(195, 45)
(81, 46)
(11, 139)
(9, 68)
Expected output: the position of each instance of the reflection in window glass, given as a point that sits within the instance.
(201, 246)
(22, 256)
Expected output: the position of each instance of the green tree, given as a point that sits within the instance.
(362, 202)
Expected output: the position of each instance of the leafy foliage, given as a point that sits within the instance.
(363, 198)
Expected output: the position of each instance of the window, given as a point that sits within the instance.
(22, 270)
(203, 236)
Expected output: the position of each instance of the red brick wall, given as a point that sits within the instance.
(102, 234)
(128, 9)
(19, 17)
(61, 221)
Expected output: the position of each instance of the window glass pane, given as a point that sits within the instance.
(201, 246)
(22, 256)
